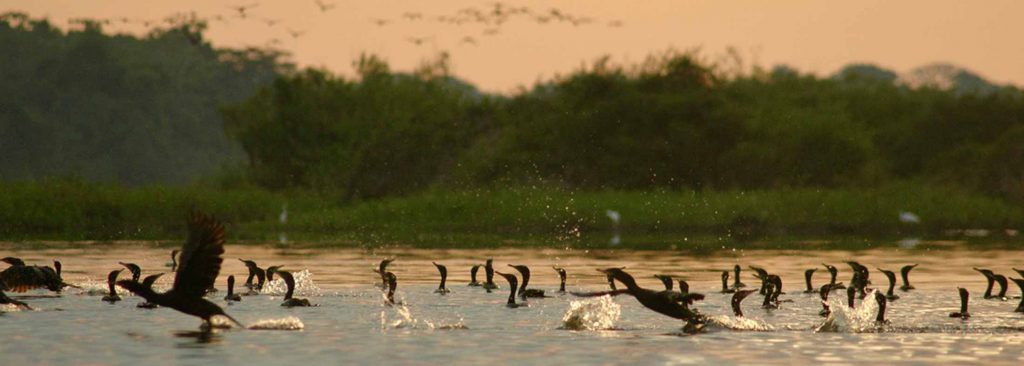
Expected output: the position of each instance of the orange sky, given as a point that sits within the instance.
(816, 36)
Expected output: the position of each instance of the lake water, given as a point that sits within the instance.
(353, 325)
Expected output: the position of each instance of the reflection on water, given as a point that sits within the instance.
(354, 325)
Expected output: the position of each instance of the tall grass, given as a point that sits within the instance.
(74, 210)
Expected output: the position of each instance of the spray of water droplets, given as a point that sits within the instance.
(594, 314)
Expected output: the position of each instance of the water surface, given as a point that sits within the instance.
(470, 326)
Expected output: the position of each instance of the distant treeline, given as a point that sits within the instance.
(133, 110)
(119, 108)
(671, 122)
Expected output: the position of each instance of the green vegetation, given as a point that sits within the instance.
(678, 145)
(116, 108)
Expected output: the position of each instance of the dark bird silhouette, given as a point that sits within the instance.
(668, 303)
(666, 280)
(324, 7)
(198, 268)
(964, 299)
(1019, 271)
(823, 293)
(392, 285)
(860, 279)
(725, 283)
(772, 288)
(889, 295)
(489, 275)
(905, 274)
(523, 291)
(382, 268)
(472, 275)
(295, 33)
(833, 272)
(736, 279)
(290, 301)
(807, 278)
(7, 300)
(174, 261)
(148, 282)
(254, 271)
(513, 284)
(270, 272)
(990, 277)
(881, 300)
(1003, 284)
(684, 287)
(232, 296)
(13, 261)
(21, 278)
(1020, 283)
(737, 298)
(441, 289)
(851, 294)
(561, 278)
(243, 9)
(112, 296)
(134, 269)
(762, 275)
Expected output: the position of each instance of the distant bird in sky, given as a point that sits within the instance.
(468, 40)
(243, 9)
(380, 22)
(271, 22)
(295, 33)
(417, 40)
(325, 7)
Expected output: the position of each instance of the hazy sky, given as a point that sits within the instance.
(812, 36)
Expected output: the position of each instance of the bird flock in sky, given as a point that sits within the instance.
(488, 21)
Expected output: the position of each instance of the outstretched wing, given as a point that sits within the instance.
(24, 278)
(200, 259)
(600, 293)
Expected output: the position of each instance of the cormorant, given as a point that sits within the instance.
(776, 282)
(823, 293)
(441, 289)
(523, 291)
(270, 272)
(252, 267)
(666, 280)
(513, 284)
(134, 269)
(148, 282)
(832, 271)
(990, 277)
(807, 278)
(197, 270)
(20, 277)
(290, 301)
(1020, 283)
(964, 298)
(889, 295)
(392, 285)
(174, 261)
(472, 275)
(762, 275)
(489, 275)
(881, 300)
(737, 284)
(684, 286)
(1001, 280)
(258, 273)
(769, 294)
(737, 298)
(668, 303)
(13, 261)
(382, 268)
(232, 296)
(851, 293)
(905, 274)
(860, 279)
(112, 296)
(725, 283)
(561, 277)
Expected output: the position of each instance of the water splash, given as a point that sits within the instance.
(740, 323)
(860, 319)
(99, 288)
(304, 285)
(288, 323)
(406, 320)
(594, 314)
